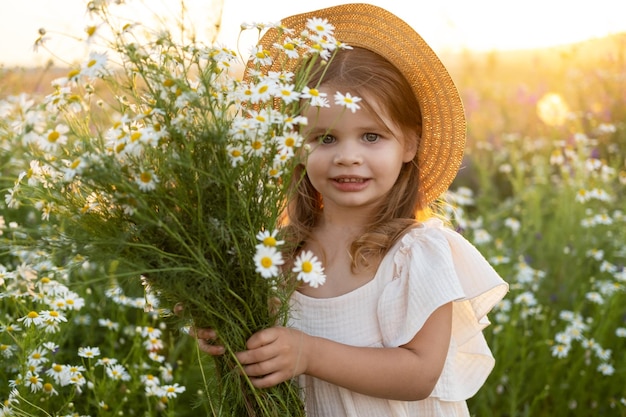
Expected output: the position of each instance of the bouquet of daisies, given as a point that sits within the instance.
(154, 160)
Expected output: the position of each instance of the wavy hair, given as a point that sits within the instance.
(382, 87)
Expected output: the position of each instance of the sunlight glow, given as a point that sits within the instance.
(447, 25)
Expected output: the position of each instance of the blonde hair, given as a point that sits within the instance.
(371, 77)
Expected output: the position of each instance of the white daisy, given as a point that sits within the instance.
(267, 260)
(348, 101)
(309, 269)
(317, 98)
(88, 352)
(147, 180)
(268, 238)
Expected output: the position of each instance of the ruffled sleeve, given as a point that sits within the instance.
(434, 265)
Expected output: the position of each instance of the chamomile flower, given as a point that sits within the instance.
(172, 391)
(37, 357)
(7, 351)
(95, 65)
(315, 96)
(348, 101)
(261, 92)
(260, 55)
(268, 238)
(513, 224)
(594, 297)
(309, 269)
(109, 324)
(235, 153)
(52, 316)
(31, 318)
(255, 147)
(117, 372)
(150, 380)
(88, 352)
(153, 344)
(320, 27)
(289, 142)
(267, 261)
(289, 47)
(560, 350)
(33, 381)
(54, 138)
(287, 94)
(59, 373)
(606, 369)
(49, 389)
(276, 170)
(147, 180)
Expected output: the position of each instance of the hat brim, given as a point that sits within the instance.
(442, 143)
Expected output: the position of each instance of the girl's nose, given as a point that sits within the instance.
(348, 154)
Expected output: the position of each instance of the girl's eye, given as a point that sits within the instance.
(371, 137)
(325, 139)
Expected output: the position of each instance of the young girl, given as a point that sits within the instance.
(396, 330)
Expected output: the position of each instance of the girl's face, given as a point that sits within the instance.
(355, 158)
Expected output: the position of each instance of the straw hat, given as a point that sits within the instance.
(443, 119)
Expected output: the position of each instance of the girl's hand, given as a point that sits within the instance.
(206, 337)
(206, 340)
(274, 355)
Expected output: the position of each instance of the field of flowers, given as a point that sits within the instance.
(542, 193)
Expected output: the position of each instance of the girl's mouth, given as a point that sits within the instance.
(348, 180)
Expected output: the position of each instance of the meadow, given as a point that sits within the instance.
(542, 193)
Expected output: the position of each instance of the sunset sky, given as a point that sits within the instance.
(445, 24)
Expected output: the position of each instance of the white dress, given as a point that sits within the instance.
(430, 266)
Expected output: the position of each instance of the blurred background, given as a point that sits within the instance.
(448, 25)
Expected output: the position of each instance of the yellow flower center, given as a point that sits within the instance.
(145, 177)
(269, 241)
(266, 262)
(73, 73)
(307, 267)
(119, 148)
(33, 315)
(53, 136)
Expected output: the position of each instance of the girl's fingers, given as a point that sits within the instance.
(206, 340)
(207, 346)
(178, 309)
(202, 333)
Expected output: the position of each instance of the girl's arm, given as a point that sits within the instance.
(408, 372)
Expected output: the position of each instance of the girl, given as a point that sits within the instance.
(396, 328)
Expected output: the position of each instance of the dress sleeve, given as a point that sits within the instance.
(434, 265)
